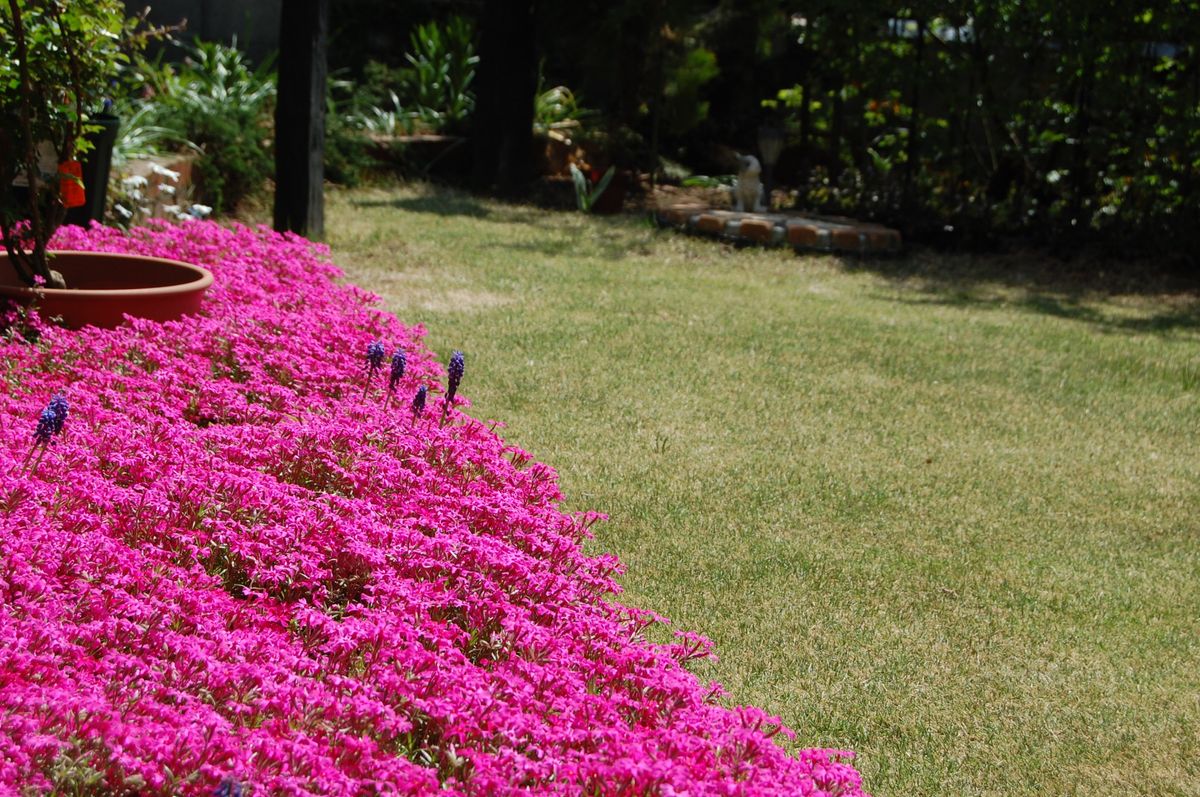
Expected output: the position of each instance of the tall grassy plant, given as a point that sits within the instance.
(586, 193)
(441, 70)
(558, 108)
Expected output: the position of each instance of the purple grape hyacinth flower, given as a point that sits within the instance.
(399, 363)
(455, 371)
(50, 423)
(229, 788)
(47, 422)
(454, 376)
(418, 405)
(58, 405)
(375, 354)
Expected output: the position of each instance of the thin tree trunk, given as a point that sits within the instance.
(27, 264)
(506, 79)
(300, 118)
(659, 89)
(1083, 121)
(914, 117)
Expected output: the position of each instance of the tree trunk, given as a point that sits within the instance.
(1083, 122)
(914, 118)
(506, 80)
(300, 118)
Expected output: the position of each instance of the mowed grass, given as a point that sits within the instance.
(951, 524)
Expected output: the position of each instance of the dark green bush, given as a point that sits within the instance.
(1061, 122)
(216, 101)
(432, 91)
(347, 157)
(236, 163)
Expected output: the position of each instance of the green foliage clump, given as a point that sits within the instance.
(557, 108)
(683, 105)
(223, 106)
(441, 69)
(346, 149)
(73, 50)
(1057, 122)
(432, 92)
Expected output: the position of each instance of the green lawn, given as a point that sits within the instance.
(952, 524)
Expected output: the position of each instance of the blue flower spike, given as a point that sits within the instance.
(50, 424)
(58, 405)
(399, 363)
(455, 374)
(47, 422)
(375, 354)
(230, 788)
(418, 405)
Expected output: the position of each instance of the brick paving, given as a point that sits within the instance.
(802, 231)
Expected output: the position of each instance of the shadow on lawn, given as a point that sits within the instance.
(608, 238)
(454, 203)
(616, 238)
(1086, 274)
(1178, 318)
(1072, 290)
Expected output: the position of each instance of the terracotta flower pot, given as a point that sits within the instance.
(104, 286)
(612, 201)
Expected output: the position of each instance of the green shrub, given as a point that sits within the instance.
(216, 101)
(441, 69)
(346, 149)
(432, 92)
(236, 161)
(57, 61)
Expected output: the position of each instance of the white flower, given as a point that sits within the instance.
(124, 211)
(199, 211)
(133, 181)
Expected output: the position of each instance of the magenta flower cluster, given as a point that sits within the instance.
(231, 574)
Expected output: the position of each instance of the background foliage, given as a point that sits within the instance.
(223, 105)
(959, 120)
(1054, 120)
(962, 122)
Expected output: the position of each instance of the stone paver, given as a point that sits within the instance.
(801, 231)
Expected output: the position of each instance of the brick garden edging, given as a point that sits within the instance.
(799, 230)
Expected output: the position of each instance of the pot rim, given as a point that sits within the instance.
(203, 278)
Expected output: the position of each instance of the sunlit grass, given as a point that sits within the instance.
(950, 524)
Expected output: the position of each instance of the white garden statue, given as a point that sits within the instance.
(748, 190)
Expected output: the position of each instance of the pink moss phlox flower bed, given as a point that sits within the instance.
(232, 566)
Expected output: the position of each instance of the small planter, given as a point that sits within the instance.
(96, 166)
(105, 286)
(612, 201)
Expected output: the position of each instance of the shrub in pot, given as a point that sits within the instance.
(60, 58)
